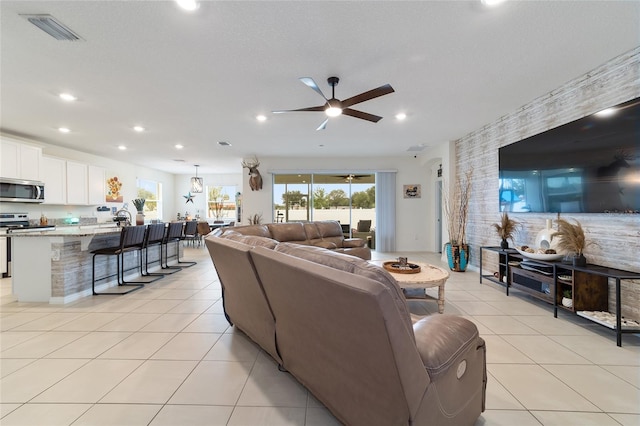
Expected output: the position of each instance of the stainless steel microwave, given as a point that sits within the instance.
(21, 191)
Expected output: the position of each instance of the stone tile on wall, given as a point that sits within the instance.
(617, 235)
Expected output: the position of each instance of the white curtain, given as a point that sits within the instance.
(386, 211)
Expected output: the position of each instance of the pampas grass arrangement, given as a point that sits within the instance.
(572, 238)
(507, 227)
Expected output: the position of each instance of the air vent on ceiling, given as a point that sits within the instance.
(417, 148)
(53, 27)
(224, 143)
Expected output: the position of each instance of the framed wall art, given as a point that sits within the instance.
(412, 191)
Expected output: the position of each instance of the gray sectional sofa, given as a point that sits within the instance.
(342, 327)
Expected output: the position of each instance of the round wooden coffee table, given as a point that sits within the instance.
(429, 276)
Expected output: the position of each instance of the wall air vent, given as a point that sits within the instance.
(417, 148)
(53, 27)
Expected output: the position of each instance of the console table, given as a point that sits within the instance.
(588, 284)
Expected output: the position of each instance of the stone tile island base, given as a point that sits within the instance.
(55, 266)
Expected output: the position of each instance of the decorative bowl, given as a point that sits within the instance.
(394, 266)
(539, 256)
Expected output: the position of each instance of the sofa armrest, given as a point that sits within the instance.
(353, 242)
(325, 244)
(442, 339)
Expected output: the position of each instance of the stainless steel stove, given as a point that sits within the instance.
(12, 223)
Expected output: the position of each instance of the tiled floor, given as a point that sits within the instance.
(165, 355)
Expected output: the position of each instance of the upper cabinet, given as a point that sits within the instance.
(96, 185)
(54, 176)
(20, 161)
(77, 183)
(71, 182)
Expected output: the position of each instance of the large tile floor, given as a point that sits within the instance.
(165, 355)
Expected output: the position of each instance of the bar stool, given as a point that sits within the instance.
(153, 237)
(175, 233)
(131, 239)
(190, 234)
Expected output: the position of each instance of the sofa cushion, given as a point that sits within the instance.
(258, 230)
(354, 265)
(329, 228)
(251, 240)
(291, 231)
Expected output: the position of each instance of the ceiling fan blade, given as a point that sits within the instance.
(323, 125)
(362, 115)
(309, 82)
(316, 108)
(362, 97)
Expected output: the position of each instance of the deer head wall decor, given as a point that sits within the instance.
(255, 181)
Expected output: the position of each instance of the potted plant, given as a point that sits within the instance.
(456, 210)
(139, 205)
(572, 240)
(506, 229)
(567, 300)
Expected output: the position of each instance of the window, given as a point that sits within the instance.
(221, 202)
(151, 191)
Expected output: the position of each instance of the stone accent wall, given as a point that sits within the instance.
(617, 235)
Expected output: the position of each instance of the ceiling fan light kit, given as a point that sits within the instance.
(334, 107)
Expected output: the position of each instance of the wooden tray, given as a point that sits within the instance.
(394, 266)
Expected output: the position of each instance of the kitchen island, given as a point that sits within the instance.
(55, 266)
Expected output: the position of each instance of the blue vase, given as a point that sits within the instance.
(457, 256)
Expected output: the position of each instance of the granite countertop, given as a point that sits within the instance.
(71, 231)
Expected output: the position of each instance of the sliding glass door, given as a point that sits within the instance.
(347, 198)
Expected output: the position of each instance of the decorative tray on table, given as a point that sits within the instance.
(398, 268)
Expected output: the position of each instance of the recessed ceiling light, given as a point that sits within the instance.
(67, 97)
(122, 147)
(139, 128)
(401, 116)
(608, 112)
(178, 146)
(223, 143)
(64, 129)
(492, 3)
(261, 117)
(189, 5)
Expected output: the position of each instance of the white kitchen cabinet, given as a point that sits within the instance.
(20, 161)
(96, 185)
(54, 176)
(77, 183)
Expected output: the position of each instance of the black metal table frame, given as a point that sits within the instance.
(607, 272)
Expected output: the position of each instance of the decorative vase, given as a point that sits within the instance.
(544, 237)
(139, 218)
(504, 244)
(579, 260)
(567, 302)
(457, 256)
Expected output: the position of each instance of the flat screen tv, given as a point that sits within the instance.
(591, 165)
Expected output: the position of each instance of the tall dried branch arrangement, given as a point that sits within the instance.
(456, 209)
(572, 238)
(507, 227)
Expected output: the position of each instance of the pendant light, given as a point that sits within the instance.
(196, 183)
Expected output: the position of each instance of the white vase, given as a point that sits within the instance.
(567, 302)
(139, 219)
(543, 239)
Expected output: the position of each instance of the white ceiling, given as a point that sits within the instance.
(202, 77)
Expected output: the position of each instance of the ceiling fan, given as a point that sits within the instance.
(334, 107)
(351, 177)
